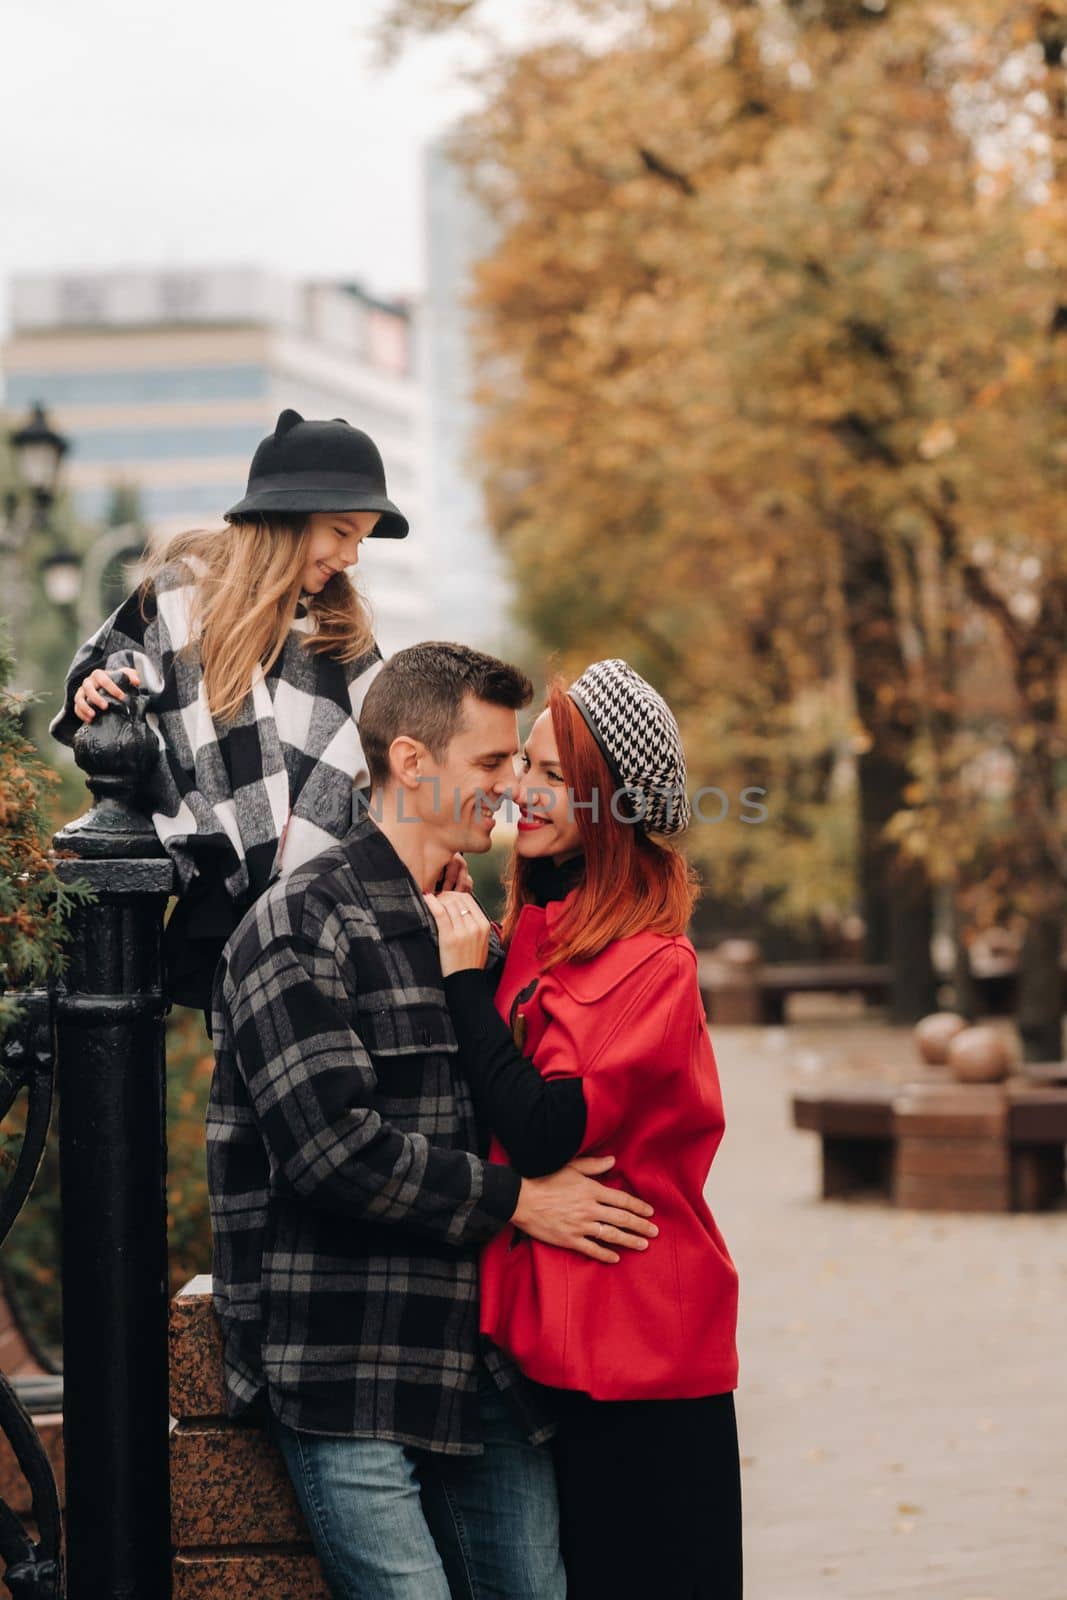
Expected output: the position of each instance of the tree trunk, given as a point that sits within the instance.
(1040, 1015)
(967, 1000)
(897, 898)
(913, 991)
(878, 788)
(1040, 1002)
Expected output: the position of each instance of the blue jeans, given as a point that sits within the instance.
(394, 1523)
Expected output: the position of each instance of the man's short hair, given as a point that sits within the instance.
(419, 692)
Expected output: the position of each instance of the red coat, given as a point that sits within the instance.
(661, 1323)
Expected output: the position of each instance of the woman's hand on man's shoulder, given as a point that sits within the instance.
(462, 930)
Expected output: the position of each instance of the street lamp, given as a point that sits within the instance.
(71, 582)
(61, 574)
(39, 452)
(126, 545)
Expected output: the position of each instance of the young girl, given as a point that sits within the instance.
(597, 1045)
(254, 650)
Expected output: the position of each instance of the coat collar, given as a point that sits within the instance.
(589, 981)
(555, 908)
(386, 883)
(550, 913)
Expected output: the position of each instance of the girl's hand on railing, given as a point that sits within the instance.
(90, 693)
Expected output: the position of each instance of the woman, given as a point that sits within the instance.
(254, 649)
(597, 1045)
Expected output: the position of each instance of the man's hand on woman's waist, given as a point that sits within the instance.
(572, 1210)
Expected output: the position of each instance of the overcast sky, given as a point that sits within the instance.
(135, 132)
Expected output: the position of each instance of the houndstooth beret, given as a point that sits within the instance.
(639, 739)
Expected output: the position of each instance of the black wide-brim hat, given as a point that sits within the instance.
(319, 466)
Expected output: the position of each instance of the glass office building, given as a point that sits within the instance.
(166, 381)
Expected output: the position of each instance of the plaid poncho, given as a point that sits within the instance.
(251, 799)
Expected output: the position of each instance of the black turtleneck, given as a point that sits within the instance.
(547, 881)
(541, 1125)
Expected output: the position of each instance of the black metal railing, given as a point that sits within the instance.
(99, 1036)
(33, 1565)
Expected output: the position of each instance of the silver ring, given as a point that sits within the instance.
(599, 1229)
(465, 912)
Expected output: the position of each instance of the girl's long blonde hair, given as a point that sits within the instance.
(247, 581)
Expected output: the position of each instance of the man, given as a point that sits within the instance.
(349, 1193)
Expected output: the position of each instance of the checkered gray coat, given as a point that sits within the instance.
(348, 1186)
(255, 797)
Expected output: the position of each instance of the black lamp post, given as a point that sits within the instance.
(39, 452)
(61, 573)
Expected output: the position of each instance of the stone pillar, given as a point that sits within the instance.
(238, 1530)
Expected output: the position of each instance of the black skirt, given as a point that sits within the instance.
(650, 1498)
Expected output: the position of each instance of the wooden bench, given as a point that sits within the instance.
(759, 993)
(236, 1527)
(938, 1145)
(855, 1123)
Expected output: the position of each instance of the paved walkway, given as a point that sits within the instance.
(903, 1399)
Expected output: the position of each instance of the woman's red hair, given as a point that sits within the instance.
(631, 881)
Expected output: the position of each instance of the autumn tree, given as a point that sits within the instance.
(772, 383)
(34, 904)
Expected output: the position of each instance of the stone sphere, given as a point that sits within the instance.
(935, 1033)
(738, 952)
(980, 1055)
